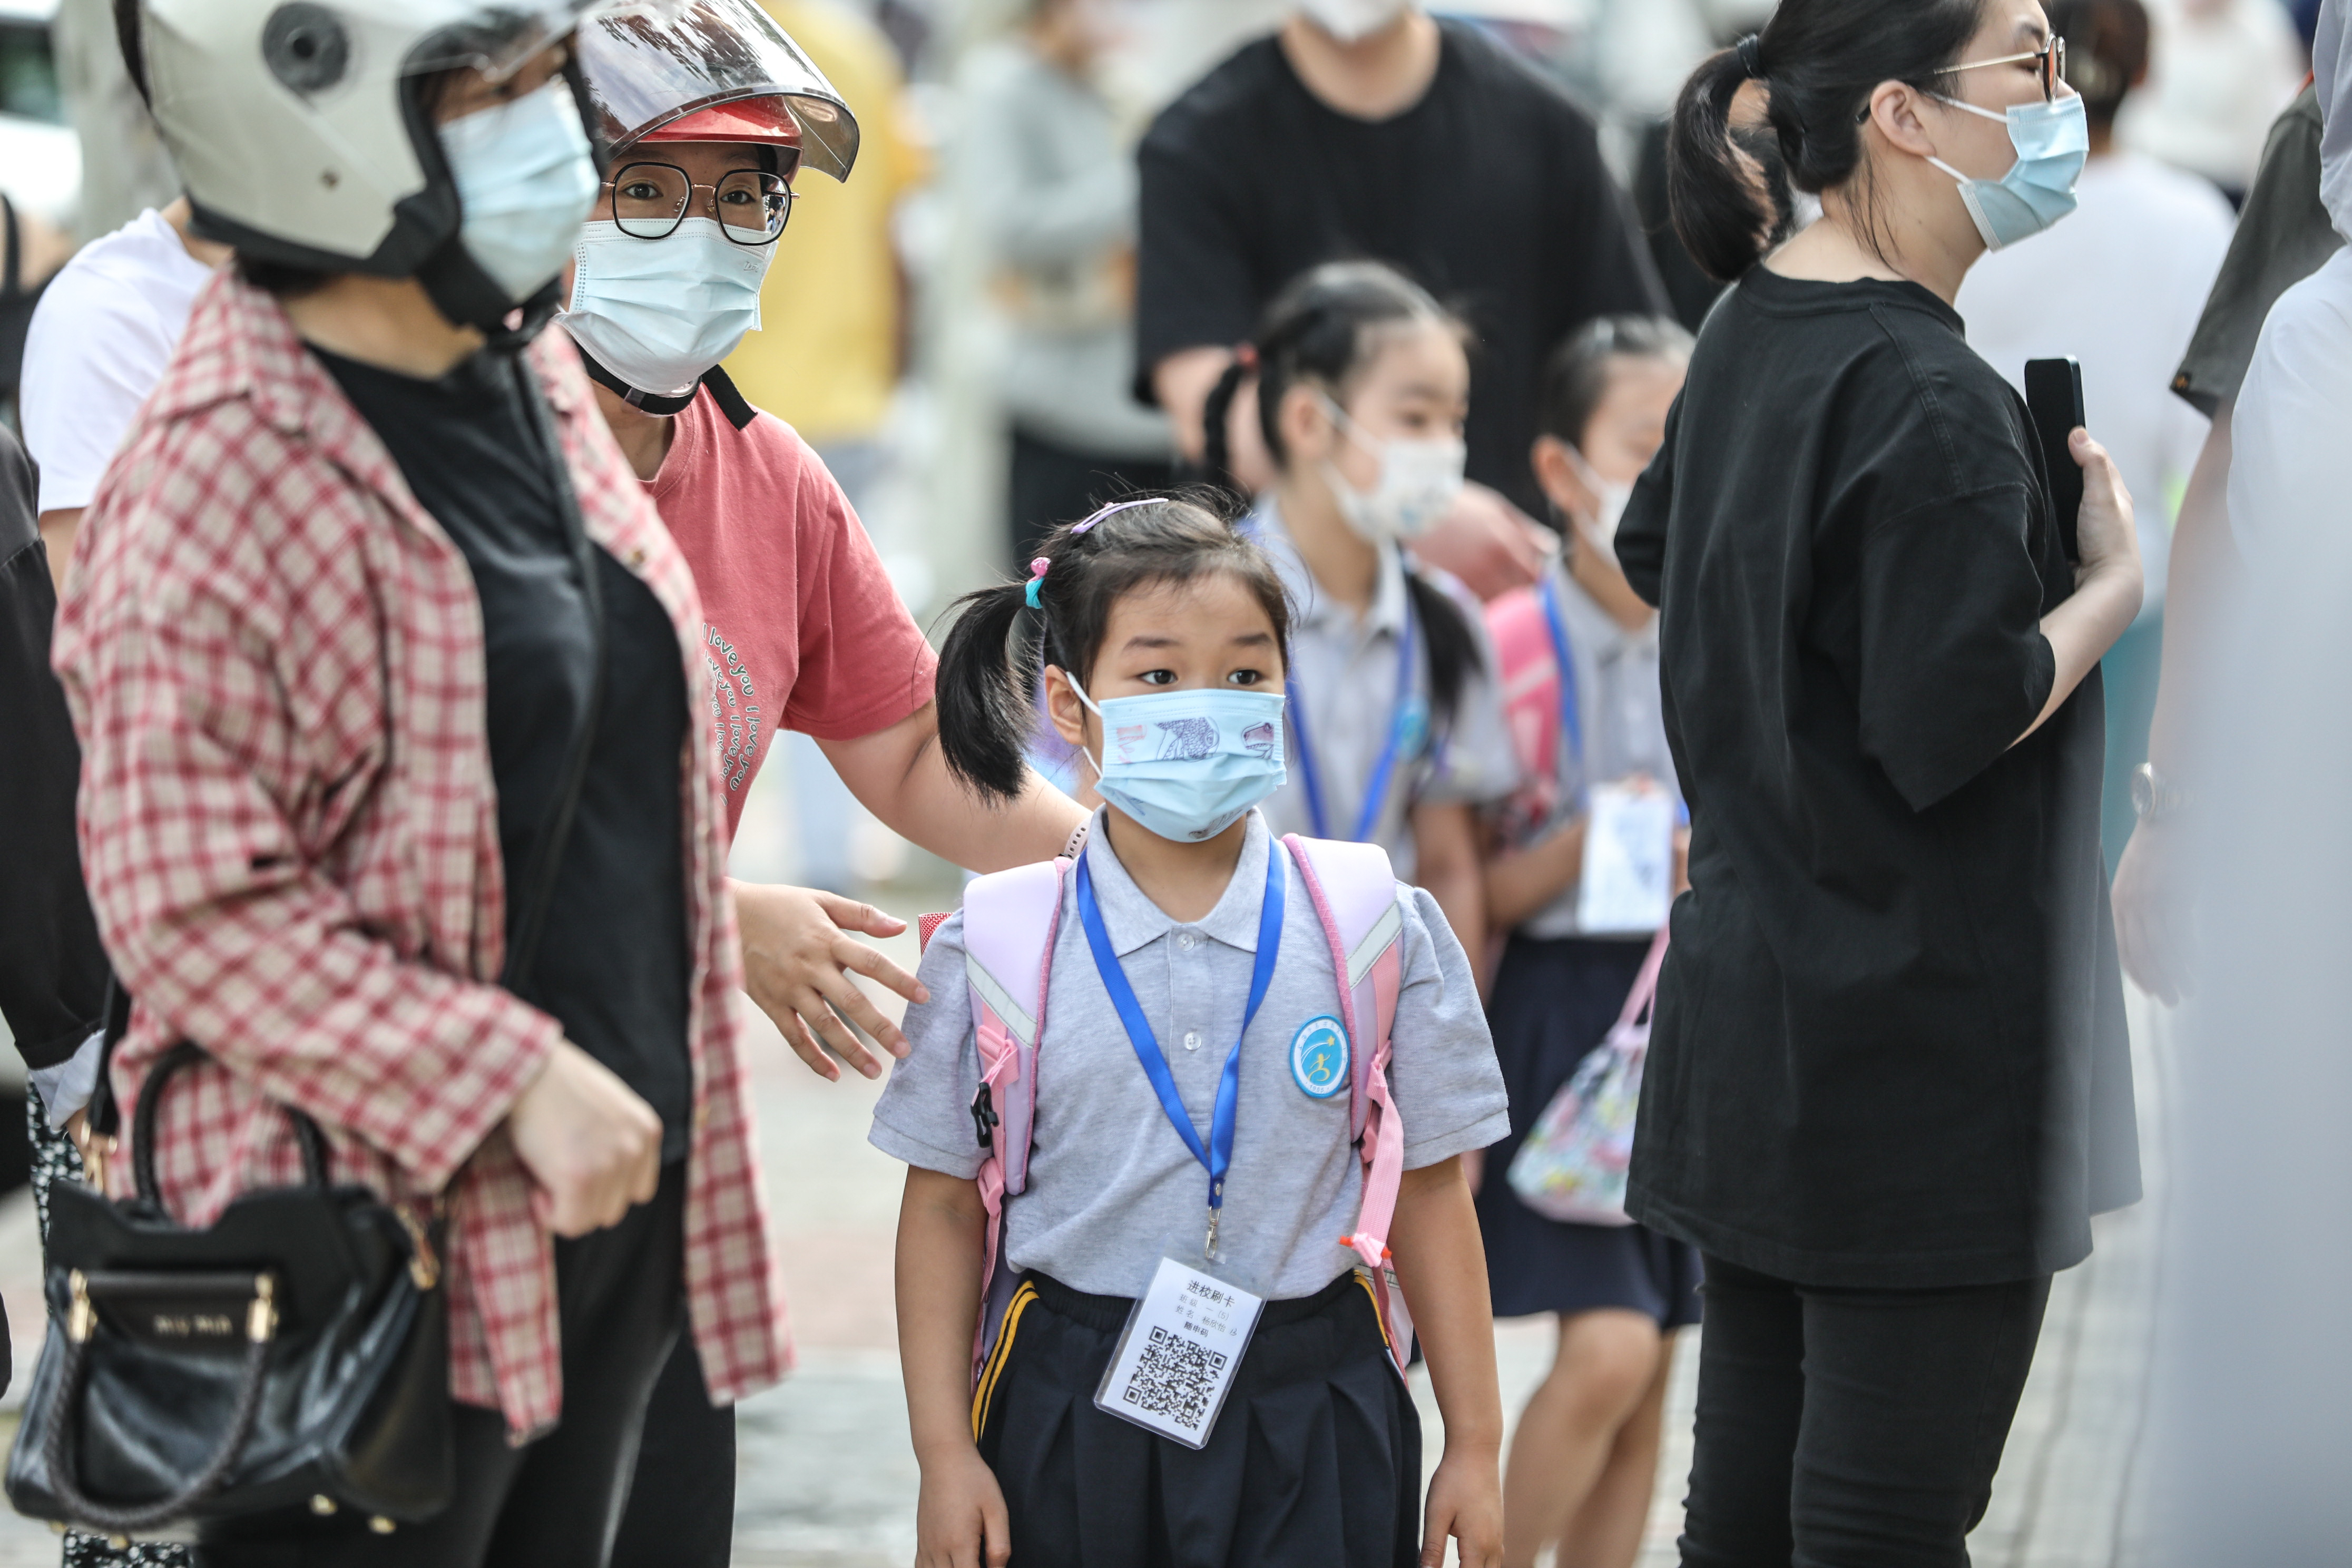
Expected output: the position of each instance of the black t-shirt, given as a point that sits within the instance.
(1490, 192)
(2284, 235)
(612, 964)
(1889, 1045)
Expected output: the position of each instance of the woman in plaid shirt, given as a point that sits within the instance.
(328, 650)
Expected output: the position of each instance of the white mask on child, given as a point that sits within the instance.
(1420, 479)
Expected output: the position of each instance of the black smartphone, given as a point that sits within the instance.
(2054, 392)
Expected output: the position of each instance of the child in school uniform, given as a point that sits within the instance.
(1191, 1128)
(1396, 726)
(1584, 1458)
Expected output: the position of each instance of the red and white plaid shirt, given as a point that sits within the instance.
(274, 657)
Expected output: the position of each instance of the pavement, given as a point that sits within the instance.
(827, 1479)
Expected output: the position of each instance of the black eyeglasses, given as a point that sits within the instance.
(2050, 64)
(650, 200)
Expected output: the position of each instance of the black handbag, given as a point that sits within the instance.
(295, 1353)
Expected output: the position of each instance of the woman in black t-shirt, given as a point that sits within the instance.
(1888, 1083)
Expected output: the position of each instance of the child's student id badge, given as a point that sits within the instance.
(1176, 1360)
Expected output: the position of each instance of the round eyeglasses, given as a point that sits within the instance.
(649, 201)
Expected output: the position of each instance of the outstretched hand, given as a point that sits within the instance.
(798, 959)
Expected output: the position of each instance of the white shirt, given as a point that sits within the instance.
(2118, 285)
(98, 345)
(2286, 468)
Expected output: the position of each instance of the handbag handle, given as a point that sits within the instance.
(307, 1136)
(58, 1453)
(1645, 984)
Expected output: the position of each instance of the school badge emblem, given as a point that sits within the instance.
(1318, 1057)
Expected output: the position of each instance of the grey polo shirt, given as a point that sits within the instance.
(1345, 669)
(1622, 709)
(1112, 1188)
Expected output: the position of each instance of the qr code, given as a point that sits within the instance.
(1175, 1377)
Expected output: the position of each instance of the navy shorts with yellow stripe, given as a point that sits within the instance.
(1315, 1461)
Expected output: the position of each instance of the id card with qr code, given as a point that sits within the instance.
(1176, 1360)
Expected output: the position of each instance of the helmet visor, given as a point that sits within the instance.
(496, 38)
(649, 62)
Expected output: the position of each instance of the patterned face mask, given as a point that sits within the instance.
(1187, 764)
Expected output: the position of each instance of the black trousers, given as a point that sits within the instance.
(1841, 1428)
(1054, 484)
(553, 1503)
(681, 1510)
(1315, 1461)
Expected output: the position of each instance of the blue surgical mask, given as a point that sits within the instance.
(526, 181)
(1188, 764)
(658, 313)
(2052, 140)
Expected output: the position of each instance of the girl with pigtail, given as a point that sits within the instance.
(1177, 1010)
(1396, 721)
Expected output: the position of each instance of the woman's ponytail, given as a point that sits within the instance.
(982, 693)
(1216, 417)
(1717, 194)
(1817, 62)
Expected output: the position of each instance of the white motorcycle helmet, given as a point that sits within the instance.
(300, 131)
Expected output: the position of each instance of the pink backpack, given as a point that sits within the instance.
(1531, 709)
(1010, 921)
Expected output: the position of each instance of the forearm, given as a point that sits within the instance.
(1523, 881)
(942, 1227)
(58, 529)
(1442, 1264)
(902, 776)
(2082, 630)
(2204, 570)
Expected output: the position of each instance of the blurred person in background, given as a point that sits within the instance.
(1366, 129)
(2285, 235)
(2249, 1462)
(1584, 1459)
(106, 324)
(712, 115)
(125, 170)
(1890, 1082)
(2119, 285)
(833, 343)
(1397, 735)
(1042, 162)
(2220, 72)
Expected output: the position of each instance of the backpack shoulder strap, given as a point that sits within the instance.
(1354, 890)
(1010, 918)
(1355, 893)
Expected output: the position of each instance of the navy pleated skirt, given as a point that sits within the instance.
(1554, 1000)
(1315, 1461)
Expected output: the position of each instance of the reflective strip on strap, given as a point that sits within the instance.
(1000, 1001)
(1384, 930)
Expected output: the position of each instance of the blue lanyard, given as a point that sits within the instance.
(1376, 788)
(1218, 1156)
(1571, 720)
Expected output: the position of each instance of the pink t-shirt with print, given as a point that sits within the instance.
(803, 629)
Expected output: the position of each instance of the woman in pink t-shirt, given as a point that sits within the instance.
(711, 114)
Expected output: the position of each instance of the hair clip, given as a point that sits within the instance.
(1036, 580)
(1112, 510)
(1246, 356)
